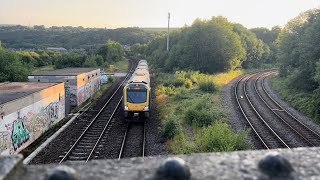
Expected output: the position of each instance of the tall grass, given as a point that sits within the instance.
(203, 112)
(224, 78)
(219, 137)
(304, 102)
(192, 113)
(171, 127)
(207, 85)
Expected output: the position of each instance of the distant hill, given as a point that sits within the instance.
(8, 25)
(23, 37)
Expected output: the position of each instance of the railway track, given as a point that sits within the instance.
(273, 126)
(135, 134)
(85, 146)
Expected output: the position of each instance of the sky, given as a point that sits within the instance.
(149, 13)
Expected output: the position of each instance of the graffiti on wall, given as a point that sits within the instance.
(52, 111)
(71, 92)
(87, 90)
(23, 127)
(19, 134)
(4, 140)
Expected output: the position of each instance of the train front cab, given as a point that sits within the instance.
(136, 100)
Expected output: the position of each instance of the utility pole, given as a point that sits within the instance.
(168, 32)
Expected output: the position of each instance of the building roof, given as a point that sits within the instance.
(65, 72)
(10, 91)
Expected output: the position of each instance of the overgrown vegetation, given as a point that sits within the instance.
(17, 65)
(299, 59)
(190, 114)
(11, 67)
(209, 46)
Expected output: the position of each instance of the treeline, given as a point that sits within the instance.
(108, 53)
(39, 37)
(299, 59)
(209, 46)
(17, 65)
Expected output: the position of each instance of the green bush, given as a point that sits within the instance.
(110, 79)
(182, 93)
(207, 85)
(165, 90)
(199, 117)
(181, 145)
(179, 78)
(179, 82)
(188, 83)
(219, 137)
(171, 127)
(203, 112)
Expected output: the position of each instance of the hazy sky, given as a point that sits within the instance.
(149, 13)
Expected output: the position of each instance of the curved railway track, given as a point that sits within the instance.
(85, 145)
(273, 126)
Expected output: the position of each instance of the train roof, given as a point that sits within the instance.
(141, 74)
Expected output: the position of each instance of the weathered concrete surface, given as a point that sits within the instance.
(9, 165)
(234, 165)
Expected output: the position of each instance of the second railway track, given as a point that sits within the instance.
(272, 125)
(85, 146)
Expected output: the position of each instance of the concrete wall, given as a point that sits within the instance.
(27, 118)
(80, 87)
(87, 85)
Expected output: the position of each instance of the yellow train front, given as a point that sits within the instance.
(137, 93)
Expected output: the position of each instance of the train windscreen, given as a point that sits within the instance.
(136, 96)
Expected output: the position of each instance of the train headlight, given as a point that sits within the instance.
(126, 108)
(146, 108)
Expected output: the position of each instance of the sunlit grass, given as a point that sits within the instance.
(222, 79)
(43, 68)
(121, 66)
(189, 113)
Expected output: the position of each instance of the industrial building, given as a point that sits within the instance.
(80, 83)
(27, 110)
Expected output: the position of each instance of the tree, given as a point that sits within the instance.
(208, 46)
(70, 60)
(299, 50)
(90, 62)
(112, 51)
(257, 52)
(11, 68)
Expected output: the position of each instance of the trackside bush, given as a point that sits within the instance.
(110, 79)
(219, 137)
(207, 85)
(165, 90)
(171, 127)
(181, 145)
(203, 112)
(188, 83)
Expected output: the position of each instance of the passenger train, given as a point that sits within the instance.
(137, 93)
